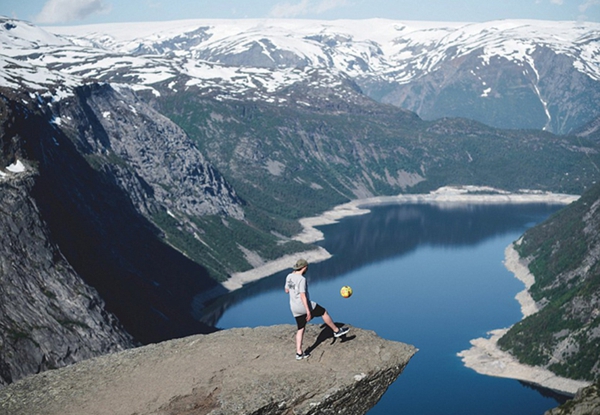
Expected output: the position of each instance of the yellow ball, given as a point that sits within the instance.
(346, 291)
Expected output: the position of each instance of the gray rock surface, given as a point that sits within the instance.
(49, 317)
(151, 157)
(237, 371)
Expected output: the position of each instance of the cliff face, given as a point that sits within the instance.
(94, 221)
(83, 270)
(150, 157)
(48, 316)
(238, 371)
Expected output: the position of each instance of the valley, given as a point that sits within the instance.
(164, 158)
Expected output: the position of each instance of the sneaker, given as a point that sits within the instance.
(341, 332)
(303, 355)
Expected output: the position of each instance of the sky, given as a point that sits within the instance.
(75, 12)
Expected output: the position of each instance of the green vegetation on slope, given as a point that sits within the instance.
(215, 242)
(291, 161)
(565, 335)
(296, 162)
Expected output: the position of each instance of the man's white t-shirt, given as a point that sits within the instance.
(296, 284)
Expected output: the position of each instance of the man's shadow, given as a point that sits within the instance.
(327, 333)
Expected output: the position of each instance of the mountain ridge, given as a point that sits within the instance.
(434, 69)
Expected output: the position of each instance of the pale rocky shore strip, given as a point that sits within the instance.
(237, 280)
(486, 358)
(444, 196)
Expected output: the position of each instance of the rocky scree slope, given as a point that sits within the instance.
(241, 371)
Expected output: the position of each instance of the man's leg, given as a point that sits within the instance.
(327, 319)
(337, 332)
(299, 337)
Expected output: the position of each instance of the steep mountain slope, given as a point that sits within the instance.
(563, 255)
(564, 335)
(91, 195)
(508, 74)
(590, 130)
(299, 159)
(48, 316)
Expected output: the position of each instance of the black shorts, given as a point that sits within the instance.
(318, 311)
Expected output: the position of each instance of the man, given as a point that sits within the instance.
(303, 309)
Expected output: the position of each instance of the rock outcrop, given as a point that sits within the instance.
(151, 158)
(586, 402)
(237, 371)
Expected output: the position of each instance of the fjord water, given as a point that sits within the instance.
(425, 275)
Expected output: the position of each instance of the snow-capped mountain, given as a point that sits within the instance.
(510, 73)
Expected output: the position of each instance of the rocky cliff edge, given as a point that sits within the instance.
(236, 371)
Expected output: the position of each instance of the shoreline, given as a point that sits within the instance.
(486, 358)
(445, 197)
(448, 196)
(238, 279)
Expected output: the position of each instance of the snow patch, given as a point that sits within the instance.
(16, 167)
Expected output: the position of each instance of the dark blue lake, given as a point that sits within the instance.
(424, 275)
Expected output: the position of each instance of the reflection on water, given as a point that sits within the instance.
(397, 229)
(549, 393)
(393, 230)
